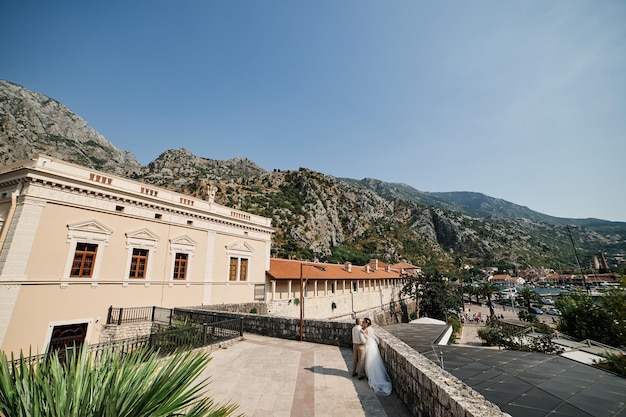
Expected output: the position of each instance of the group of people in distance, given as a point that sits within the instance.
(367, 362)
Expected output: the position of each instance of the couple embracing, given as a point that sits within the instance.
(367, 360)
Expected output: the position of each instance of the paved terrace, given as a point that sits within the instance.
(284, 378)
(276, 377)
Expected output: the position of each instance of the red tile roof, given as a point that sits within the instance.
(404, 265)
(503, 277)
(288, 269)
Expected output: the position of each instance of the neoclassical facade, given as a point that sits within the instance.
(74, 241)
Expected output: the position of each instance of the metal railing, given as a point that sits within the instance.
(195, 335)
(169, 340)
(196, 316)
(179, 327)
(161, 315)
(125, 315)
(171, 330)
(164, 339)
(95, 350)
(223, 330)
(124, 345)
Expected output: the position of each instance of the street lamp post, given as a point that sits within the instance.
(462, 294)
(301, 302)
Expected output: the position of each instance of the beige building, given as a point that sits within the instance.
(323, 279)
(332, 291)
(74, 241)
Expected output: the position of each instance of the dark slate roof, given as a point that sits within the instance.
(524, 384)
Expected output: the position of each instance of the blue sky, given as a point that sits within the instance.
(519, 100)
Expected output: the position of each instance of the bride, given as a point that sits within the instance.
(374, 367)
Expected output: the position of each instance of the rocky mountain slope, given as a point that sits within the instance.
(316, 215)
(334, 219)
(482, 206)
(32, 124)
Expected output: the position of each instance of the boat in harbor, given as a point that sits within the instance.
(508, 293)
(547, 292)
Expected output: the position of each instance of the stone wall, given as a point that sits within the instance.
(260, 307)
(315, 331)
(393, 312)
(329, 331)
(383, 306)
(113, 332)
(341, 306)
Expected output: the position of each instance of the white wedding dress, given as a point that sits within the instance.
(374, 367)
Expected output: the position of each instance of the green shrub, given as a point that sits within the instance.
(543, 328)
(455, 322)
(524, 315)
(490, 335)
(613, 362)
(115, 383)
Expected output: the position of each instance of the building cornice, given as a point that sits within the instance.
(58, 175)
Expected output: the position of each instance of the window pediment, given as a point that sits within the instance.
(239, 246)
(183, 244)
(142, 234)
(90, 226)
(90, 232)
(142, 238)
(183, 240)
(239, 249)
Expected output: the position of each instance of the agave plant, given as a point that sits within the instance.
(139, 384)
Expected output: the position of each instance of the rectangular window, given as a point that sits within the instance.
(180, 266)
(243, 270)
(84, 260)
(138, 263)
(238, 269)
(232, 274)
(259, 292)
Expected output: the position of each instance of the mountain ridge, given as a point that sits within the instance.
(32, 123)
(317, 215)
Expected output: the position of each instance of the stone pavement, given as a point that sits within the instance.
(284, 378)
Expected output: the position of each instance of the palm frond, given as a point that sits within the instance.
(137, 384)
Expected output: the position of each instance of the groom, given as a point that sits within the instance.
(358, 349)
